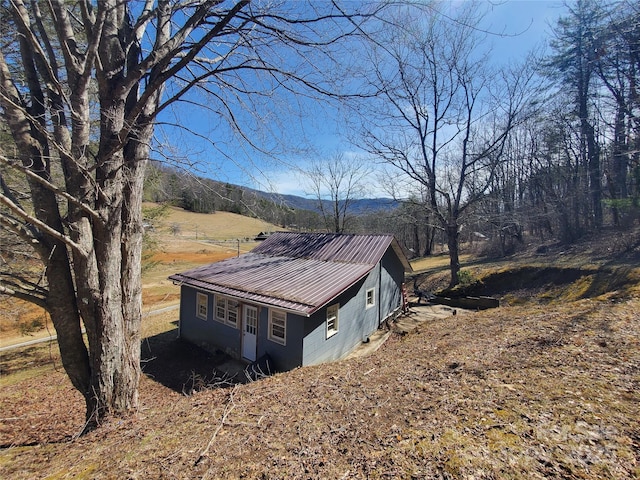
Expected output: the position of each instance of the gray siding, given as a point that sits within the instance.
(355, 324)
(209, 333)
(213, 335)
(284, 357)
(392, 276)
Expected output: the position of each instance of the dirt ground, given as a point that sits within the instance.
(532, 391)
(546, 386)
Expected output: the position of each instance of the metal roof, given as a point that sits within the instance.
(294, 271)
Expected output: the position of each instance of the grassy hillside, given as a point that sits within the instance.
(183, 240)
(179, 240)
(546, 386)
(212, 226)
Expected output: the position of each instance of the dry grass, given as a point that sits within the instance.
(435, 262)
(217, 239)
(547, 386)
(521, 392)
(212, 226)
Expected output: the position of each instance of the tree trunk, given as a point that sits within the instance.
(453, 237)
(430, 235)
(61, 299)
(617, 179)
(66, 321)
(595, 176)
(416, 238)
(113, 382)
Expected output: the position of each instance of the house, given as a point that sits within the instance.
(262, 236)
(301, 298)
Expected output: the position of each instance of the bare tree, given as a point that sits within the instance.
(587, 137)
(335, 183)
(443, 114)
(81, 85)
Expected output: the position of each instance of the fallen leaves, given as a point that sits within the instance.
(527, 391)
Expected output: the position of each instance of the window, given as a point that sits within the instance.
(227, 311)
(371, 297)
(202, 304)
(278, 327)
(232, 313)
(332, 320)
(221, 309)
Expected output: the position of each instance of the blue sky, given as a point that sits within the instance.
(526, 20)
(218, 155)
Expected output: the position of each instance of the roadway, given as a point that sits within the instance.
(35, 341)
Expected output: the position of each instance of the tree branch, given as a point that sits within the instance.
(4, 200)
(50, 186)
(41, 301)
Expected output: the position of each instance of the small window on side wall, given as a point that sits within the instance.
(278, 327)
(202, 305)
(332, 319)
(371, 297)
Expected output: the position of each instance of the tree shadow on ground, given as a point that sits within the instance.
(180, 365)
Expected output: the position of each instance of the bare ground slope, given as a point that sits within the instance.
(515, 393)
(543, 387)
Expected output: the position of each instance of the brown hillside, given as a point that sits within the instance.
(539, 388)
(179, 240)
(212, 226)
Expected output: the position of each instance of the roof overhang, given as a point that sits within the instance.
(299, 286)
(245, 297)
(400, 253)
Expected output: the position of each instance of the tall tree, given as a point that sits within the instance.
(443, 115)
(577, 46)
(335, 183)
(126, 61)
(618, 68)
(554, 185)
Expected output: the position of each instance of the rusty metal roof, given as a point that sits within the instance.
(295, 271)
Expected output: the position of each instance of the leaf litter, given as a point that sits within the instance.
(530, 390)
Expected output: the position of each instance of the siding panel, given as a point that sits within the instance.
(209, 334)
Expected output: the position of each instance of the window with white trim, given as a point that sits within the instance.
(332, 319)
(371, 297)
(278, 327)
(202, 305)
(227, 311)
(232, 312)
(221, 309)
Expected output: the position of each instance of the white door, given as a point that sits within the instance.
(249, 332)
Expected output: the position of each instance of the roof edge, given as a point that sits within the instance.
(305, 310)
(401, 255)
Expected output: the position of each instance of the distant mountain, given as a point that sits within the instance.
(357, 207)
(204, 195)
